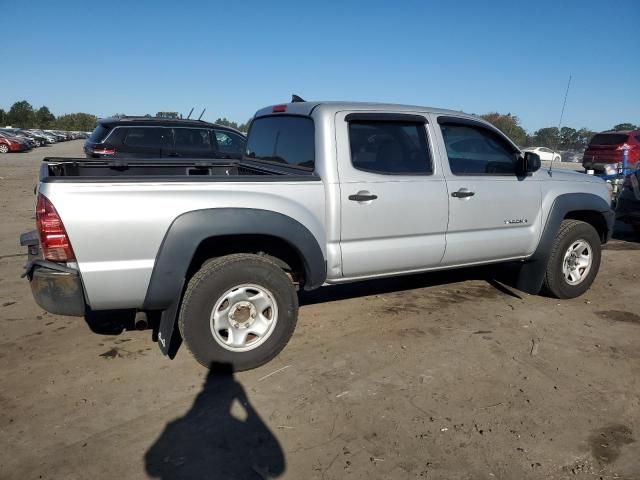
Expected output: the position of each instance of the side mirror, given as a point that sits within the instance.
(529, 163)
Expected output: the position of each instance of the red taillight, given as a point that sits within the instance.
(104, 151)
(53, 237)
(279, 108)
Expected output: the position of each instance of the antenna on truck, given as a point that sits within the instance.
(190, 113)
(553, 155)
(203, 110)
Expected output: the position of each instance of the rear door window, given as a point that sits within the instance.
(284, 139)
(194, 142)
(389, 147)
(474, 150)
(142, 141)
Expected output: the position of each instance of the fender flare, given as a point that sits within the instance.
(532, 272)
(185, 235)
(188, 231)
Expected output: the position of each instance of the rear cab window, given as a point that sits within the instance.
(282, 139)
(611, 139)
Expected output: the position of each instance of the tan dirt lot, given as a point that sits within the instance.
(447, 375)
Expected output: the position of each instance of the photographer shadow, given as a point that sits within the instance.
(220, 437)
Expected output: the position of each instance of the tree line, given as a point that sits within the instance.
(565, 138)
(23, 115)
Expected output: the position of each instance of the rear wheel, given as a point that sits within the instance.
(574, 260)
(239, 310)
(4, 148)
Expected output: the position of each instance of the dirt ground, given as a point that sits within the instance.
(448, 375)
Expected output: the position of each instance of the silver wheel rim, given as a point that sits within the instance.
(4, 148)
(577, 262)
(244, 317)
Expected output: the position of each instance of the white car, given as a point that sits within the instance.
(544, 153)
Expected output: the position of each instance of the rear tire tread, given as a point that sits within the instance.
(210, 269)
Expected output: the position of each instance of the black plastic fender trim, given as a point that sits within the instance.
(532, 271)
(189, 229)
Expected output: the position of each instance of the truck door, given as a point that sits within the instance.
(494, 214)
(393, 196)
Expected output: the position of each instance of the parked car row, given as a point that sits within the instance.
(20, 139)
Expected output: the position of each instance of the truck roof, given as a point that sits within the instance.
(306, 108)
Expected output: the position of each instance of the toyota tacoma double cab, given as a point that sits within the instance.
(325, 193)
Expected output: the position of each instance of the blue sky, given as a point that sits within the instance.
(138, 57)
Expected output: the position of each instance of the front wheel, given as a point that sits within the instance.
(556, 159)
(4, 148)
(574, 261)
(239, 311)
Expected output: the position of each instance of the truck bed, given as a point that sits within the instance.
(55, 169)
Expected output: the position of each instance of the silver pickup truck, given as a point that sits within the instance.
(326, 193)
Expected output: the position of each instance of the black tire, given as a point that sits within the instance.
(555, 283)
(209, 285)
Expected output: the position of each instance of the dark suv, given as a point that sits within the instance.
(144, 137)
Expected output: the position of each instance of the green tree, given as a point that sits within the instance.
(547, 137)
(226, 123)
(44, 118)
(624, 126)
(3, 117)
(84, 122)
(21, 115)
(509, 125)
(583, 137)
(244, 127)
(568, 138)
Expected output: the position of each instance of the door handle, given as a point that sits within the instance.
(173, 154)
(463, 194)
(362, 197)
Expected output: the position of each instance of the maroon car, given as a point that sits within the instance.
(12, 144)
(607, 148)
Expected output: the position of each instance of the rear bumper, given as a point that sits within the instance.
(599, 164)
(55, 287)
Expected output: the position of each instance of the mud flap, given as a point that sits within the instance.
(531, 275)
(169, 339)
